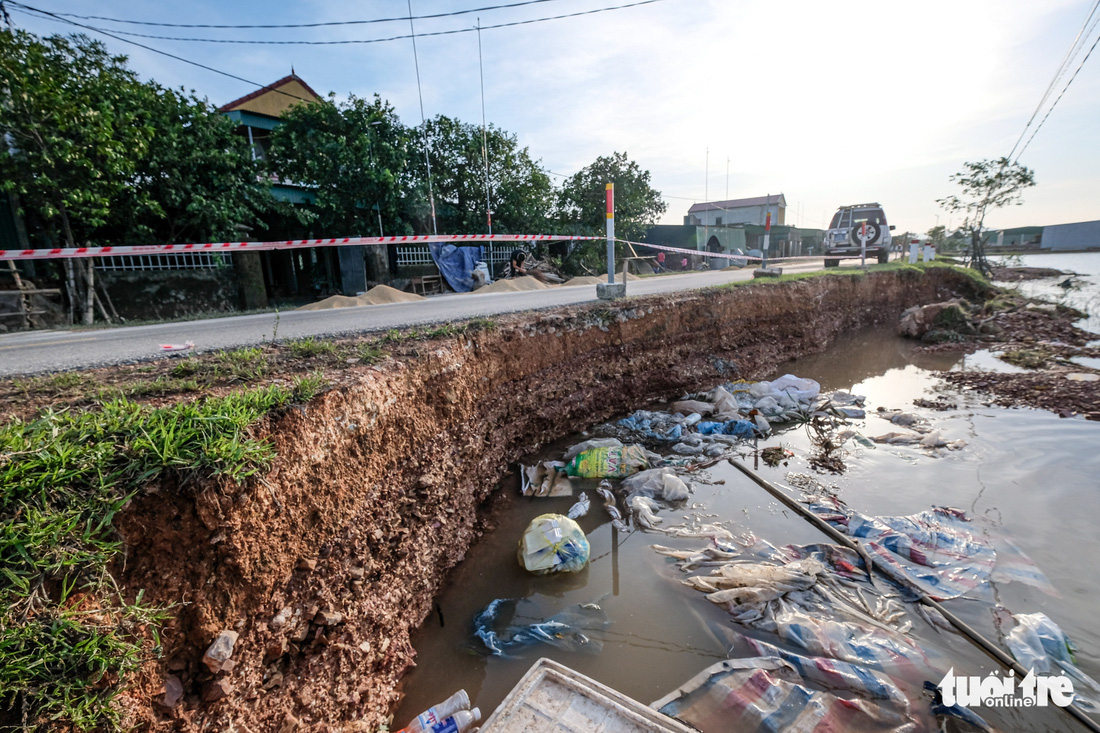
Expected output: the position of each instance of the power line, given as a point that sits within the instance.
(343, 42)
(307, 25)
(1055, 102)
(1058, 74)
(162, 53)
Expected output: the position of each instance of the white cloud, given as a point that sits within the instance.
(825, 102)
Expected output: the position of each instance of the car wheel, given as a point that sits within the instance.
(873, 232)
(883, 256)
(831, 262)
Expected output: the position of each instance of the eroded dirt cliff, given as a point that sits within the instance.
(324, 565)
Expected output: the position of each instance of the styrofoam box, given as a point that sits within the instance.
(553, 698)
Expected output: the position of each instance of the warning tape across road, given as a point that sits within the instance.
(166, 249)
(221, 247)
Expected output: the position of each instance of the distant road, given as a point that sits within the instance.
(35, 352)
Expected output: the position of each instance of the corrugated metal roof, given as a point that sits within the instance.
(738, 203)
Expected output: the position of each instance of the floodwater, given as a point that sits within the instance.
(1034, 476)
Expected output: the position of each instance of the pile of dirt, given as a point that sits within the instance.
(583, 280)
(380, 294)
(515, 284)
(331, 303)
(377, 295)
(1018, 274)
(1063, 392)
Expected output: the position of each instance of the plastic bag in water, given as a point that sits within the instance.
(1040, 645)
(570, 629)
(553, 543)
(659, 483)
(614, 462)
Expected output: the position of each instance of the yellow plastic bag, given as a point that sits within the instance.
(553, 543)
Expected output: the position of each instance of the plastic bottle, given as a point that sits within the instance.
(460, 722)
(438, 713)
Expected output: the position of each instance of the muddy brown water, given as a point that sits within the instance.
(1035, 476)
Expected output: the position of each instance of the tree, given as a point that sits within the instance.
(988, 184)
(354, 156)
(937, 235)
(70, 115)
(581, 201)
(195, 181)
(520, 193)
(582, 207)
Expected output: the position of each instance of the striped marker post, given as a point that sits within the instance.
(611, 234)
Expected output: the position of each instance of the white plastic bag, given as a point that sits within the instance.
(659, 483)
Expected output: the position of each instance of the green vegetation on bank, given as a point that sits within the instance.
(68, 637)
(903, 268)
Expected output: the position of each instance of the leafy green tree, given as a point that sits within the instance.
(937, 236)
(354, 155)
(70, 115)
(195, 182)
(582, 207)
(987, 184)
(521, 194)
(582, 199)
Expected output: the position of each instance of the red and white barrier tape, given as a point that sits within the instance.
(724, 255)
(164, 249)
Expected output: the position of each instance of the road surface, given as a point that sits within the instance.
(36, 352)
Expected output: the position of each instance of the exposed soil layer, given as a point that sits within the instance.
(1048, 390)
(1042, 338)
(1019, 274)
(326, 564)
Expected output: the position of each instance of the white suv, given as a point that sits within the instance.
(842, 238)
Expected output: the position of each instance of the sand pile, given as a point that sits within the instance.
(514, 285)
(332, 302)
(377, 295)
(594, 279)
(385, 294)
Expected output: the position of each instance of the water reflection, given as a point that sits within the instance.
(854, 357)
(1032, 474)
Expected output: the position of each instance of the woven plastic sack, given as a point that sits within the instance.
(553, 543)
(615, 462)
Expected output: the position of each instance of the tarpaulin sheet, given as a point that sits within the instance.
(739, 428)
(655, 425)
(456, 264)
(775, 691)
(939, 552)
(827, 618)
(570, 629)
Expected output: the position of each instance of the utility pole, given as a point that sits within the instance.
(484, 135)
(423, 119)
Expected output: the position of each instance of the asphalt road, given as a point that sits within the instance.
(36, 352)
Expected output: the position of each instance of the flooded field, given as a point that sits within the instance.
(1030, 474)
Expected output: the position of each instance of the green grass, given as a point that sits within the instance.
(63, 479)
(370, 353)
(53, 384)
(305, 388)
(902, 267)
(243, 365)
(160, 386)
(446, 330)
(307, 347)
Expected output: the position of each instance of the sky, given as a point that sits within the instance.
(828, 103)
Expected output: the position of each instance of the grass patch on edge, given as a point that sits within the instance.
(68, 637)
